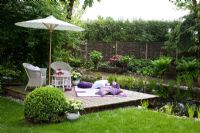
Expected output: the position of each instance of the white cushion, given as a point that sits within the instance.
(99, 84)
(31, 67)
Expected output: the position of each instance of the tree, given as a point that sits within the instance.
(192, 5)
(70, 5)
(17, 44)
(186, 36)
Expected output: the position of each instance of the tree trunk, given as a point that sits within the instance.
(194, 2)
(70, 9)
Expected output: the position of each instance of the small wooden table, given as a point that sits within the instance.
(63, 81)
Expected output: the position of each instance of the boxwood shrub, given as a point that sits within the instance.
(45, 104)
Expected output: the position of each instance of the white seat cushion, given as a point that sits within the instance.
(99, 84)
(31, 67)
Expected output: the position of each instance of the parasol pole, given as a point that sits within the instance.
(50, 31)
(51, 28)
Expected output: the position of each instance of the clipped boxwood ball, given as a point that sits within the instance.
(45, 104)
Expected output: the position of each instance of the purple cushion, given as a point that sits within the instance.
(85, 84)
(102, 92)
(115, 91)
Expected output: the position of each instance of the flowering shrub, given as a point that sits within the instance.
(74, 106)
(76, 75)
(115, 59)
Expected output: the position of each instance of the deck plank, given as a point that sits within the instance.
(109, 100)
(92, 104)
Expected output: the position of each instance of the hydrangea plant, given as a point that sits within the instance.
(76, 75)
(74, 106)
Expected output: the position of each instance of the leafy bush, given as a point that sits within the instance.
(137, 64)
(104, 64)
(146, 71)
(89, 65)
(108, 30)
(95, 57)
(125, 82)
(8, 72)
(92, 78)
(111, 78)
(161, 65)
(188, 65)
(61, 54)
(45, 104)
(75, 62)
(124, 61)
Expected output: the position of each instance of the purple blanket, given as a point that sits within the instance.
(110, 90)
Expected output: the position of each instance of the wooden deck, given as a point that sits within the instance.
(93, 104)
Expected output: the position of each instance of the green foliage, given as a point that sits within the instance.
(145, 104)
(111, 78)
(190, 110)
(152, 85)
(45, 104)
(189, 82)
(185, 37)
(146, 71)
(95, 57)
(141, 66)
(104, 64)
(198, 113)
(125, 81)
(186, 4)
(160, 90)
(89, 65)
(170, 88)
(19, 50)
(6, 71)
(108, 30)
(124, 61)
(34, 46)
(168, 108)
(180, 95)
(73, 106)
(61, 55)
(76, 75)
(92, 78)
(161, 65)
(75, 62)
(189, 66)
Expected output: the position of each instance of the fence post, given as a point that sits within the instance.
(86, 51)
(116, 48)
(146, 52)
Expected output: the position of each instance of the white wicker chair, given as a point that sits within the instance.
(61, 65)
(67, 72)
(37, 77)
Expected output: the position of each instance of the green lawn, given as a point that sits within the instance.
(126, 120)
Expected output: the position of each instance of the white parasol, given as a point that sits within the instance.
(50, 23)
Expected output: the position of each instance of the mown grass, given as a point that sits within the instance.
(125, 120)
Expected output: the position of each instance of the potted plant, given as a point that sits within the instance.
(73, 108)
(76, 77)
